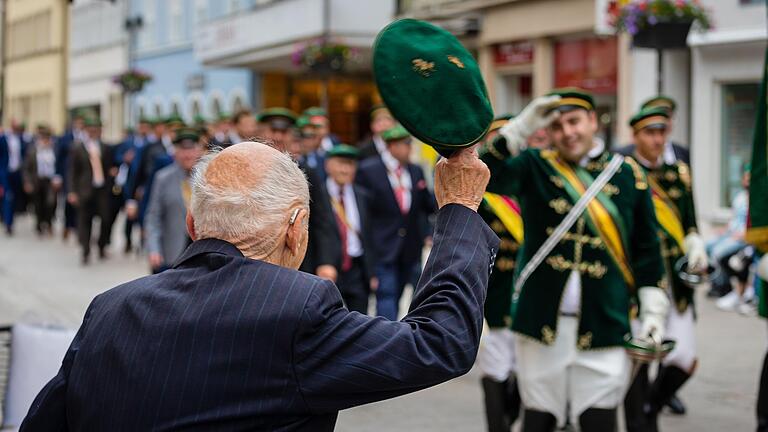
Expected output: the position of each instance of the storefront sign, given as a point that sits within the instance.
(513, 53)
(590, 64)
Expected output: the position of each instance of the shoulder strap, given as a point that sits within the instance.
(567, 223)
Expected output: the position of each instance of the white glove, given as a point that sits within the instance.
(696, 252)
(654, 305)
(762, 268)
(536, 115)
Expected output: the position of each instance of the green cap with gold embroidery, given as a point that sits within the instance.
(395, 133)
(660, 101)
(186, 137)
(431, 84)
(344, 151)
(654, 118)
(572, 98)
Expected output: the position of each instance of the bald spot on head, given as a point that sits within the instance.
(240, 167)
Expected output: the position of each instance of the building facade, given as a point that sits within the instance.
(98, 52)
(285, 27)
(180, 83)
(35, 81)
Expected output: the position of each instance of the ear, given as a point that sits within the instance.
(191, 226)
(296, 232)
(593, 121)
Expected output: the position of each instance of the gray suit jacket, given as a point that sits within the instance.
(166, 215)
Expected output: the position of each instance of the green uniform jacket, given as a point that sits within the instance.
(675, 180)
(606, 297)
(498, 301)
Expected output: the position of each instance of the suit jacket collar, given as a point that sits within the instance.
(206, 246)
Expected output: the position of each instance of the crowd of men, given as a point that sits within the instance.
(556, 356)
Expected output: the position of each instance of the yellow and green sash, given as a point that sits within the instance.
(602, 216)
(508, 213)
(667, 213)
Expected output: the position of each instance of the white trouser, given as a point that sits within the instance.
(496, 358)
(551, 377)
(681, 328)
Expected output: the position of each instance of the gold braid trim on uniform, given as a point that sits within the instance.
(640, 181)
(685, 173)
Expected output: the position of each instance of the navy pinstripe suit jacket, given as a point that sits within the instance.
(222, 342)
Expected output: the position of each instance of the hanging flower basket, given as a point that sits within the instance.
(658, 24)
(323, 56)
(132, 81)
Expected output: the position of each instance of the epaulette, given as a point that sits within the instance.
(685, 173)
(640, 182)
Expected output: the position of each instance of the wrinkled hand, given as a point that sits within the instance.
(537, 114)
(461, 179)
(327, 271)
(155, 260)
(131, 209)
(696, 252)
(654, 304)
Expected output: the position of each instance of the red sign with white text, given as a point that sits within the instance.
(513, 53)
(590, 64)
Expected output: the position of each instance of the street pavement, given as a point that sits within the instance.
(42, 280)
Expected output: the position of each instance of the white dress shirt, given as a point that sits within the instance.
(354, 245)
(405, 177)
(14, 152)
(380, 144)
(46, 162)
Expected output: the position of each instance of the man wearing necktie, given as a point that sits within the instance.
(350, 205)
(13, 148)
(399, 216)
(90, 183)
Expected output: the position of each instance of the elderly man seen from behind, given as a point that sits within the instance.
(232, 337)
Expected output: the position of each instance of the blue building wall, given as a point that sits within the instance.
(179, 80)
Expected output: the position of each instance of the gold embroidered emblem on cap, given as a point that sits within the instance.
(455, 60)
(423, 67)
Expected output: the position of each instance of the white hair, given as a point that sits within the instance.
(254, 218)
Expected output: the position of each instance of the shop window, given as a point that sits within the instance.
(237, 103)
(175, 109)
(739, 103)
(216, 106)
(197, 110)
(158, 110)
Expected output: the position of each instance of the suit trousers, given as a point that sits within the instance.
(44, 200)
(98, 205)
(392, 279)
(354, 287)
(13, 197)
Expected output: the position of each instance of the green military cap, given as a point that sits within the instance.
(186, 137)
(277, 117)
(314, 112)
(379, 109)
(223, 116)
(500, 121)
(572, 98)
(306, 120)
(431, 84)
(174, 120)
(343, 150)
(198, 120)
(395, 133)
(654, 118)
(145, 119)
(660, 101)
(92, 121)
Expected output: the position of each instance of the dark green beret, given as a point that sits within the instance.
(431, 84)
(92, 122)
(186, 137)
(500, 121)
(661, 101)
(395, 133)
(343, 150)
(654, 117)
(315, 111)
(270, 114)
(573, 98)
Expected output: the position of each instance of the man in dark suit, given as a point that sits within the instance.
(63, 150)
(398, 217)
(350, 204)
(13, 148)
(91, 177)
(381, 120)
(234, 338)
(672, 151)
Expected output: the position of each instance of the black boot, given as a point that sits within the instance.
(635, 400)
(495, 401)
(538, 421)
(676, 406)
(598, 420)
(667, 383)
(513, 401)
(762, 399)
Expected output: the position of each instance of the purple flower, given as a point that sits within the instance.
(652, 20)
